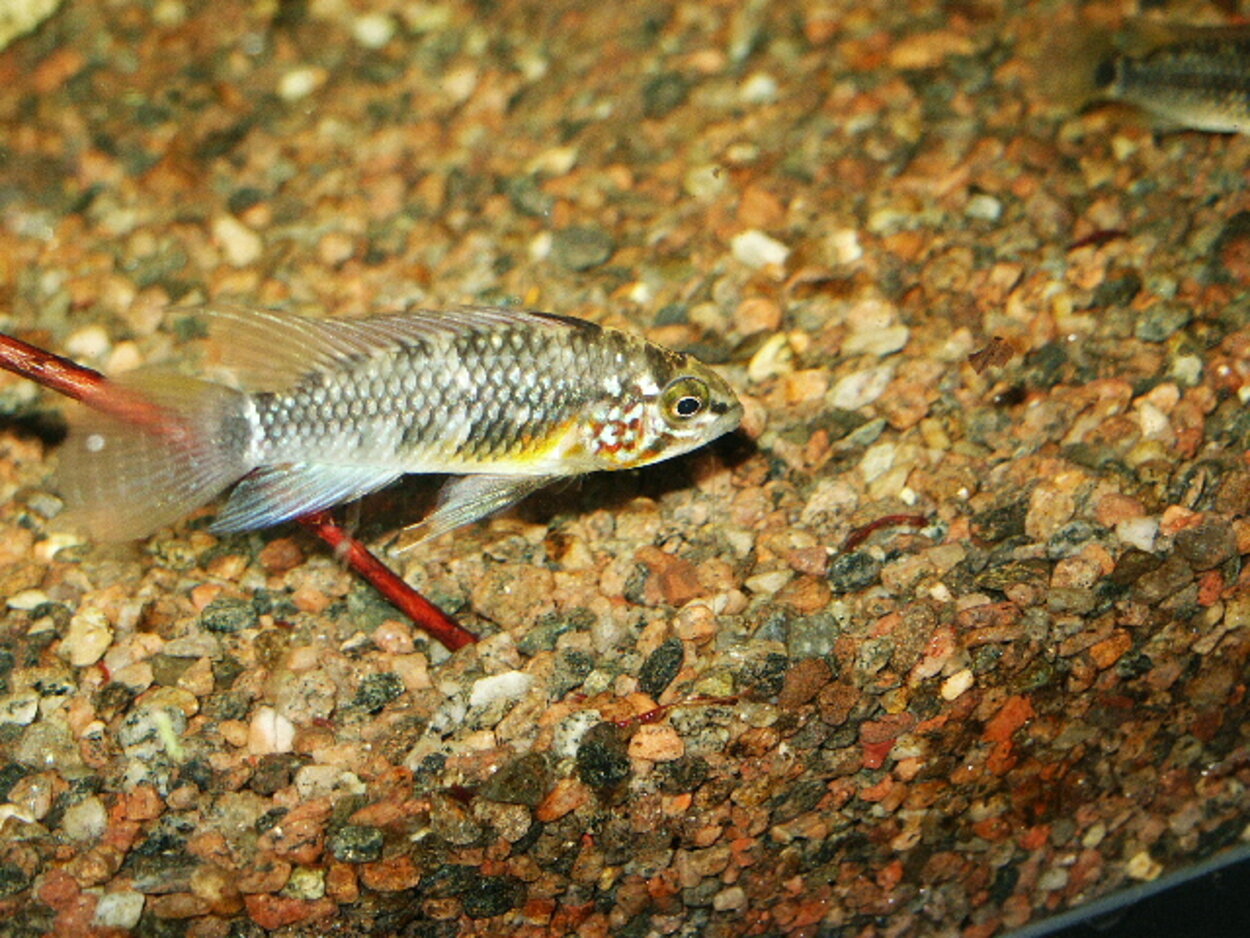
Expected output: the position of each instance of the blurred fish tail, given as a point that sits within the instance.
(124, 478)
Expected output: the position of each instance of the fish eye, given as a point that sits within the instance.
(684, 398)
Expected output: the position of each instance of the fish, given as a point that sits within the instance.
(299, 414)
(1186, 77)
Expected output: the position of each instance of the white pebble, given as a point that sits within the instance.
(85, 821)
(318, 781)
(507, 686)
(88, 342)
(984, 207)
(844, 246)
(568, 734)
(373, 30)
(87, 639)
(269, 732)
(756, 249)
(119, 910)
(759, 88)
(877, 460)
(1138, 532)
(878, 342)
(1154, 422)
(775, 357)
(19, 708)
(301, 82)
(861, 388)
(27, 599)
(954, 686)
(765, 584)
(239, 243)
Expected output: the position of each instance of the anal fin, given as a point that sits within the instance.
(279, 493)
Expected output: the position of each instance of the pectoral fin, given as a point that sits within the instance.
(278, 493)
(469, 498)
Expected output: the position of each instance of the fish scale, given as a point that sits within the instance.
(316, 412)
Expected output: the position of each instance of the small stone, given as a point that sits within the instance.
(21, 708)
(524, 781)
(661, 667)
(861, 388)
(664, 93)
(356, 843)
(1208, 545)
(756, 249)
(299, 83)
(1138, 532)
(671, 580)
(510, 685)
(602, 758)
(759, 88)
(853, 571)
(773, 359)
(955, 685)
(306, 882)
(241, 246)
(1143, 867)
(269, 731)
(567, 796)
(493, 895)
(373, 30)
(803, 682)
(377, 690)
(984, 207)
(281, 555)
(1161, 321)
(88, 638)
(581, 248)
(120, 910)
(85, 821)
(227, 615)
(656, 742)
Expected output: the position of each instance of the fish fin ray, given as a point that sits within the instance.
(270, 350)
(278, 493)
(470, 498)
(125, 479)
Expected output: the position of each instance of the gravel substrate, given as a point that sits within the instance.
(1018, 332)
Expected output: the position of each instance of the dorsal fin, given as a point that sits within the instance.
(267, 350)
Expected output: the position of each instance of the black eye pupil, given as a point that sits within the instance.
(688, 406)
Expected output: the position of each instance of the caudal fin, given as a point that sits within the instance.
(125, 479)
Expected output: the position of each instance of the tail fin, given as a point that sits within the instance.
(125, 479)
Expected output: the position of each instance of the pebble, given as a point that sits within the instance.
(88, 638)
(756, 249)
(299, 83)
(85, 821)
(657, 743)
(239, 244)
(269, 732)
(508, 686)
(861, 388)
(120, 909)
(356, 843)
(661, 666)
(602, 758)
(581, 248)
(373, 30)
(524, 780)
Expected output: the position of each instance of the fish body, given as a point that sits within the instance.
(1199, 80)
(316, 412)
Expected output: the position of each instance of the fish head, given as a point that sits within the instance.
(673, 405)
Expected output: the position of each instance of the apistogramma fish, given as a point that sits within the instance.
(1186, 77)
(319, 412)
